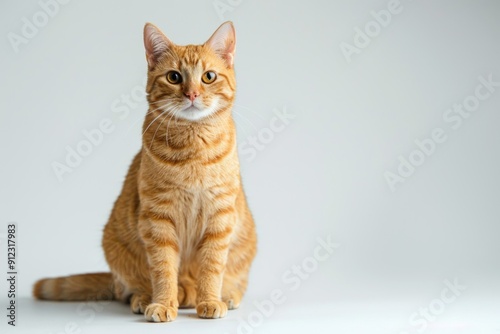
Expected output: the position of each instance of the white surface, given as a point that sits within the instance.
(321, 174)
(472, 315)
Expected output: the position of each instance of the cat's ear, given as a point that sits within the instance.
(223, 42)
(156, 43)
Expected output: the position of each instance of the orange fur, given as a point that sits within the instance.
(180, 233)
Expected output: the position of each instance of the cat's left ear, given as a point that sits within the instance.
(223, 42)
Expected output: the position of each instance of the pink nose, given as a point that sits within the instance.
(192, 95)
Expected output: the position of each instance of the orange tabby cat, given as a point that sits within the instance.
(180, 233)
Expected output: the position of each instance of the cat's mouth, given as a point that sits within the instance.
(196, 110)
(191, 108)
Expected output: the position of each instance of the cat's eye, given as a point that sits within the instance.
(174, 77)
(209, 77)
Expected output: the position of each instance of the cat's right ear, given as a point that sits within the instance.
(156, 44)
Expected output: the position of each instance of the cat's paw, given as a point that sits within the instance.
(232, 299)
(139, 302)
(160, 313)
(232, 302)
(211, 309)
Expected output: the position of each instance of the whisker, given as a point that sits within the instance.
(161, 114)
(251, 110)
(168, 125)
(149, 112)
(246, 119)
(242, 128)
(154, 135)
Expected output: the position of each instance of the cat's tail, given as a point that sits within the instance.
(98, 286)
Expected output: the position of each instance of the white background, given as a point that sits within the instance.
(323, 174)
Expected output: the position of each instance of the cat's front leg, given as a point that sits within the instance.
(161, 244)
(212, 257)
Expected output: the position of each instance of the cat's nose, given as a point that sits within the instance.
(191, 95)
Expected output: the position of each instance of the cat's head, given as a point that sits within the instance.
(190, 82)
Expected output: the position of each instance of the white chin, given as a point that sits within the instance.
(194, 114)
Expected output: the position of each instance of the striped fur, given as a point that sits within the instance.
(180, 233)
